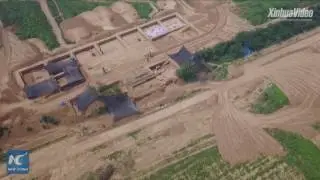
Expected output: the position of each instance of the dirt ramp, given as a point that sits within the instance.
(239, 136)
(40, 45)
(18, 51)
(125, 10)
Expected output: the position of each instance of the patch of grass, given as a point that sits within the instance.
(3, 156)
(143, 8)
(302, 153)
(115, 155)
(221, 72)
(99, 147)
(108, 90)
(316, 126)
(194, 142)
(28, 21)
(71, 8)
(256, 11)
(187, 95)
(134, 134)
(270, 100)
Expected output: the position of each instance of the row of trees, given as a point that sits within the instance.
(258, 39)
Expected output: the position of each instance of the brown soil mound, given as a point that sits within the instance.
(13, 53)
(18, 51)
(243, 96)
(235, 71)
(126, 11)
(167, 4)
(77, 28)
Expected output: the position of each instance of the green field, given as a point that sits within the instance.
(28, 21)
(71, 8)
(256, 11)
(208, 164)
(301, 162)
(270, 100)
(302, 153)
(143, 9)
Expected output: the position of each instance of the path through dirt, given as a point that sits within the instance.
(52, 22)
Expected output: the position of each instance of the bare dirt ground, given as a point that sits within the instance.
(152, 140)
(101, 18)
(239, 134)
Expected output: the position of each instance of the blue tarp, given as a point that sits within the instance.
(57, 67)
(73, 74)
(85, 99)
(119, 106)
(246, 49)
(41, 89)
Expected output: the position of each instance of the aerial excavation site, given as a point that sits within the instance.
(160, 90)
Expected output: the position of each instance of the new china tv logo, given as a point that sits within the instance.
(18, 162)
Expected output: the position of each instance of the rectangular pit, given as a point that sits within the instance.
(186, 33)
(172, 23)
(111, 45)
(133, 37)
(35, 75)
(86, 54)
(154, 30)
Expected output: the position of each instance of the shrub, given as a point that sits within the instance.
(49, 120)
(3, 131)
(187, 72)
(221, 72)
(108, 90)
(29, 129)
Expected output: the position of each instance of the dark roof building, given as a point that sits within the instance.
(43, 88)
(184, 56)
(57, 67)
(86, 98)
(119, 106)
(73, 75)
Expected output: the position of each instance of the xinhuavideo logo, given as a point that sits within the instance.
(297, 13)
(18, 162)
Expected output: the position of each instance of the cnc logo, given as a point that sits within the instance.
(18, 162)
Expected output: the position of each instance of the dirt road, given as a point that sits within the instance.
(52, 22)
